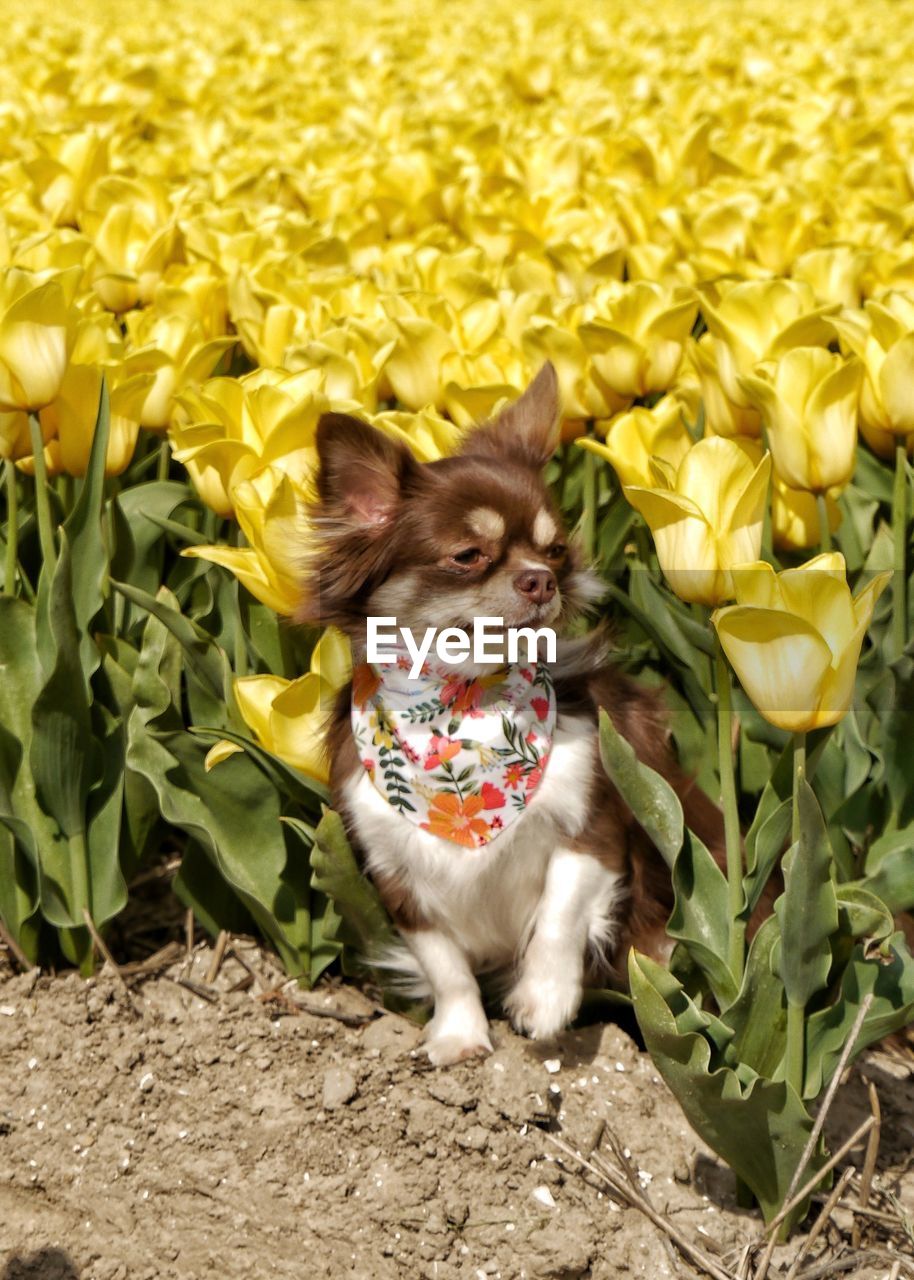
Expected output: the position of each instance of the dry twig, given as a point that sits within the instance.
(215, 964)
(620, 1185)
(869, 1160)
(821, 1222)
(14, 949)
(109, 959)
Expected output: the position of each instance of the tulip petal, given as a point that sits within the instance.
(254, 696)
(896, 382)
(221, 751)
(781, 662)
(332, 658)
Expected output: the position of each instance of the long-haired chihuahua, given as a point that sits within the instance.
(474, 792)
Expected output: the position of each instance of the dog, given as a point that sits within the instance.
(557, 896)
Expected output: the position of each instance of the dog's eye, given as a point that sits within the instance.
(468, 559)
(556, 551)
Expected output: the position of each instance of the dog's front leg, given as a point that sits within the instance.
(576, 907)
(459, 1028)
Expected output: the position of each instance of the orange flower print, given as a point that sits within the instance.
(440, 751)
(455, 819)
(514, 774)
(533, 777)
(492, 798)
(541, 707)
(462, 696)
(365, 684)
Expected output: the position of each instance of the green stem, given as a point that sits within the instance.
(80, 882)
(799, 773)
(589, 504)
(899, 524)
(12, 529)
(737, 931)
(796, 1034)
(42, 501)
(164, 462)
(824, 529)
(796, 1013)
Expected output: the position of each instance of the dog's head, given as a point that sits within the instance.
(439, 544)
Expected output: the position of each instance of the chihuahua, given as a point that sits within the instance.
(474, 794)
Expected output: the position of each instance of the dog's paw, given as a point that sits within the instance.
(456, 1035)
(542, 1007)
(444, 1051)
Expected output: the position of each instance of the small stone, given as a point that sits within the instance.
(146, 1082)
(544, 1196)
(474, 1139)
(553, 1065)
(682, 1173)
(339, 1088)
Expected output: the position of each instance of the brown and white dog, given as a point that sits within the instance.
(568, 887)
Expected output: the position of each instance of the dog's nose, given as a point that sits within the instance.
(536, 585)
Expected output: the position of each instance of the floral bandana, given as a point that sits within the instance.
(460, 757)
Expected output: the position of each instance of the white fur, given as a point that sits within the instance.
(525, 897)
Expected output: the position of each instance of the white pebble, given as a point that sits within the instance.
(553, 1065)
(544, 1196)
(146, 1082)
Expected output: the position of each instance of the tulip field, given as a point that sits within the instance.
(215, 227)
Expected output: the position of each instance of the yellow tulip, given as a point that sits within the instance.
(808, 401)
(723, 416)
(15, 436)
(35, 337)
(427, 434)
(795, 517)
(633, 438)
(64, 171)
(758, 320)
(883, 337)
(833, 272)
(134, 238)
(172, 349)
(271, 515)
(706, 515)
(636, 343)
(794, 639)
(227, 429)
(289, 717)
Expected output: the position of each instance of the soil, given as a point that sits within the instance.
(241, 1137)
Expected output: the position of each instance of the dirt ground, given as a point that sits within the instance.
(241, 1137)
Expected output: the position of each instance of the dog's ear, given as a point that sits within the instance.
(528, 429)
(361, 471)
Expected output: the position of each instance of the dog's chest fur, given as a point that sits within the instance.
(486, 897)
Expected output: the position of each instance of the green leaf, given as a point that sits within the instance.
(20, 812)
(214, 903)
(650, 797)
(889, 869)
(758, 1126)
(807, 910)
(61, 755)
(862, 914)
(366, 925)
(205, 663)
(758, 1016)
(700, 915)
(291, 782)
(233, 812)
(83, 531)
(891, 983)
